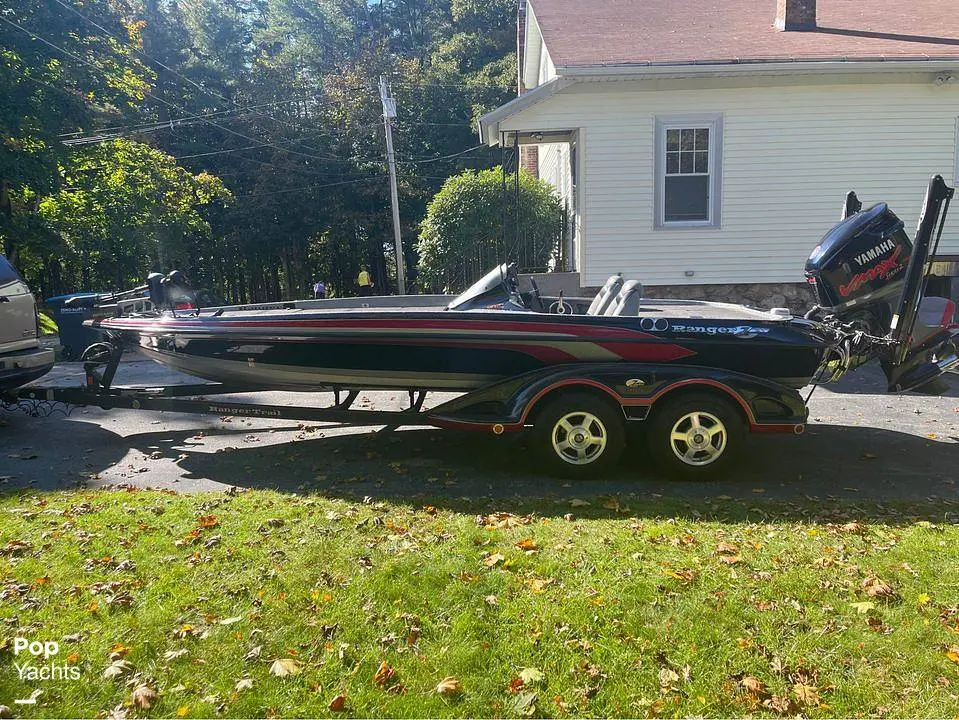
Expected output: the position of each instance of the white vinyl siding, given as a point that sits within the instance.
(789, 155)
(555, 167)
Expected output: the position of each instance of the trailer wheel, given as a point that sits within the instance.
(579, 435)
(695, 436)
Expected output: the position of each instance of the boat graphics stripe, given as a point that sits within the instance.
(373, 325)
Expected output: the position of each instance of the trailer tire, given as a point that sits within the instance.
(578, 435)
(695, 436)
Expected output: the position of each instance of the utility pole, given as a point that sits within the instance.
(389, 112)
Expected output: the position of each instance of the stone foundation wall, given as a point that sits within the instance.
(798, 297)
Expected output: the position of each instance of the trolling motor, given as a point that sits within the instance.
(171, 291)
(870, 280)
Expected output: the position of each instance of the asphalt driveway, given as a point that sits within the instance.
(861, 444)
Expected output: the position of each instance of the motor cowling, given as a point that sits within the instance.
(859, 266)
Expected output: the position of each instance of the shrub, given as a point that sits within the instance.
(462, 235)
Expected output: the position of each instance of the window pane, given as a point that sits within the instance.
(688, 139)
(686, 162)
(672, 139)
(672, 162)
(7, 273)
(702, 162)
(702, 139)
(687, 198)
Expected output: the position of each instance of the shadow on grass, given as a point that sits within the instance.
(846, 472)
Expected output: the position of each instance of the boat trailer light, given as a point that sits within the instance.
(799, 429)
(498, 429)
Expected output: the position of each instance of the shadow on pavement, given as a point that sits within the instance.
(860, 468)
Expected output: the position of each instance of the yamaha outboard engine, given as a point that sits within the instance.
(857, 269)
(870, 279)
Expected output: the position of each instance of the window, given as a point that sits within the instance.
(688, 171)
(7, 274)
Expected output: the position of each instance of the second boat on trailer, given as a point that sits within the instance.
(697, 375)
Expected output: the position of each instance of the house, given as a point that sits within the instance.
(705, 147)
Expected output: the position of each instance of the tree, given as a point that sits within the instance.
(126, 209)
(58, 73)
(476, 221)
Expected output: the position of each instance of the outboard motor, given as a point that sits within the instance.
(870, 279)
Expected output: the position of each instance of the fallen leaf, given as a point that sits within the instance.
(531, 676)
(231, 620)
(754, 686)
(493, 560)
(576, 502)
(806, 694)
(863, 607)
(116, 669)
(243, 684)
(953, 653)
(385, 675)
(283, 667)
(449, 686)
(668, 679)
(877, 588)
(782, 704)
(338, 704)
(143, 697)
(524, 704)
(207, 521)
(527, 544)
(730, 559)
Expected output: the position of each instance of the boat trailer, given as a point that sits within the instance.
(576, 415)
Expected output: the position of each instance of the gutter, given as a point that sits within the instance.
(692, 68)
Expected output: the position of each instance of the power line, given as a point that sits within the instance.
(315, 187)
(195, 84)
(161, 124)
(149, 94)
(419, 161)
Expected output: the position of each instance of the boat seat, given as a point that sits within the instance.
(605, 295)
(627, 301)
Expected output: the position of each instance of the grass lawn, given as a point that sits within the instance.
(261, 604)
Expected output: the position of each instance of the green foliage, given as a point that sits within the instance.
(48, 326)
(47, 92)
(463, 232)
(126, 209)
(277, 98)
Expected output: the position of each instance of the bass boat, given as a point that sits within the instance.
(868, 275)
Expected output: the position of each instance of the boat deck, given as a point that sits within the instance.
(691, 309)
(649, 307)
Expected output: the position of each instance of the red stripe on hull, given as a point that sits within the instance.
(169, 325)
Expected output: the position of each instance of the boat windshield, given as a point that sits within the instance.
(495, 282)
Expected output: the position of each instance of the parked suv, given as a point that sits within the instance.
(21, 357)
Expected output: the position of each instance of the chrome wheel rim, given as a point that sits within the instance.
(579, 438)
(698, 438)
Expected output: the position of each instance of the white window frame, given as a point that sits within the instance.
(712, 121)
(956, 155)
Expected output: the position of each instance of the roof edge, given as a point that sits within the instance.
(487, 126)
(760, 65)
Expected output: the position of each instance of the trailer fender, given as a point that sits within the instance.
(510, 405)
